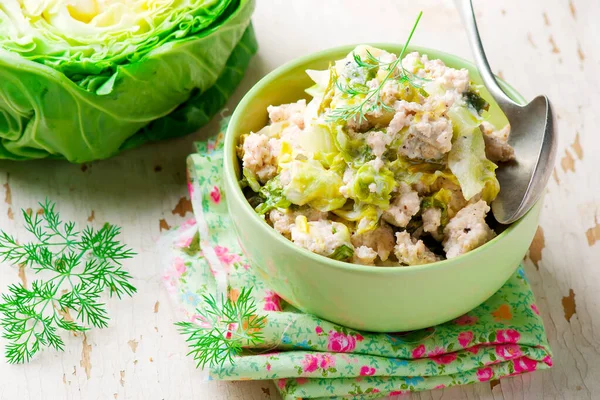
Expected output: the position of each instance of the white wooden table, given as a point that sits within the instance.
(541, 46)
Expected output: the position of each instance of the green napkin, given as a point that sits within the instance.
(312, 358)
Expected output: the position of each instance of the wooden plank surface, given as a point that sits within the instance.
(538, 46)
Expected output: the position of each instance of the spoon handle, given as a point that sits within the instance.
(465, 8)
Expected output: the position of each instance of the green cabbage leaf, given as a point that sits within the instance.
(310, 183)
(440, 199)
(272, 194)
(467, 161)
(373, 187)
(366, 216)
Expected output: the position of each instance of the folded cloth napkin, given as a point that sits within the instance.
(313, 358)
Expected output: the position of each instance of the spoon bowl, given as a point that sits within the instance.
(522, 181)
(533, 137)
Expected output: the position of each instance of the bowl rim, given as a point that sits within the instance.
(231, 181)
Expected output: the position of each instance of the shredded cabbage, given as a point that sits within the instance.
(373, 187)
(273, 196)
(440, 199)
(310, 183)
(366, 216)
(467, 161)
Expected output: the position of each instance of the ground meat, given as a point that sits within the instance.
(467, 230)
(293, 112)
(321, 237)
(260, 156)
(291, 135)
(428, 139)
(358, 124)
(390, 92)
(282, 220)
(449, 78)
(403, 117)
(457, 79)
(497, 148)
(378, 142)
(411, 63)
(457, 200)
(364, 255)
(380, 239)
(402, 207)
(432, 219)
(377, 164)
(410, 251)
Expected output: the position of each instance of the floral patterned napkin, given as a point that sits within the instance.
(312, 358)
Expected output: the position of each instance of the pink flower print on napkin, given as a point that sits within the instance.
(484, 374)
(437, 351)
(444, 359)
(341, 343)
(507, 336)
(439, 356)
(397, 393)
(535, 309)
(179, 266)
(272, 301)
(169, 282)
(281, 383)
(200, 320)
(184, 241)
(524, 364)
(215, 195)
(230, 329)
(365, 370)
(301, 381)
(313, 362)
(188, 223)
(327, 361)
(318, 330)
(464, 338)
(419, 351)
(310, 363)
(465, 320)
(190, 187)
(226, 257)
(508, 351)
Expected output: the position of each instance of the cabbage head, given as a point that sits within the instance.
(83, 79)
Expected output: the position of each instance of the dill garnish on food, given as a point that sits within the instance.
(369, 99)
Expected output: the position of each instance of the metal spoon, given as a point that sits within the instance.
(532, 135)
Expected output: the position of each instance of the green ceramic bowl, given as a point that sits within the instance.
(380, 299)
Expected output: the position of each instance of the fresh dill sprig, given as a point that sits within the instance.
(223, 328)
(373, 101)
(78, 268)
